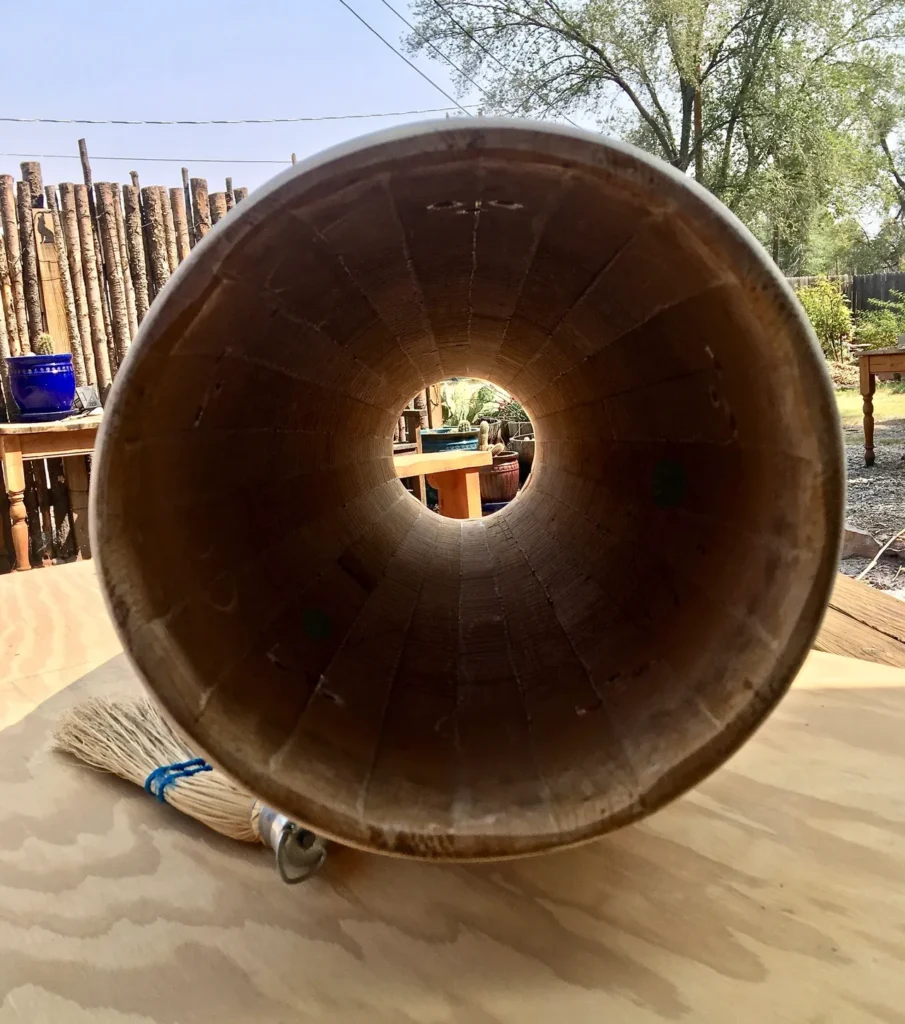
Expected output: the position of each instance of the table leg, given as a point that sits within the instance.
(14, 480)
(868, 386)
(419, 489)
(459, 491)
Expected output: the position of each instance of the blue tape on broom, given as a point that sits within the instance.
(156, 783)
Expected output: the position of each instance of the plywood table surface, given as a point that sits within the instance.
(775, 892)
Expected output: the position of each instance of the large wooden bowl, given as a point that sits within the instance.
(479, 689)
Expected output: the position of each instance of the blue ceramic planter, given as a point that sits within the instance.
(449, 439)
(43, 386)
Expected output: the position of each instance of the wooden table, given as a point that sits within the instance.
(886, 360)
(453, 474)
(70, 438)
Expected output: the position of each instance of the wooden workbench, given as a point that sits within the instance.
(71, 438)
(772, 894)
(455, 475)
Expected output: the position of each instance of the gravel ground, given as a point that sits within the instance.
(876, 504)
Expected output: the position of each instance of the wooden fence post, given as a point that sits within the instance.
(135, 245)
(77, 195)
(77, 478)
(29, 264)
(202, 208)
(6, 397)
(100, 262)
(169, 229)
(217, 206)
(180, 224)
(119, 313)
(76, 275)
(124, 263)
(36, 544)
(157, 242)
(65, 283)
(14, 257)
(8, 303)
(63, 540)
(187, 193)
(31, 175)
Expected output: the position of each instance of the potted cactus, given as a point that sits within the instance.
(43, 383)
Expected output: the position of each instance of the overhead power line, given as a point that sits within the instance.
(436, 49)
(241, 120)
(402, 56)
(142, 159)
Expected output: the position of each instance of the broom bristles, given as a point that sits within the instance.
(130, 738)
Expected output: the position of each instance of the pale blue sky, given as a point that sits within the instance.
(229, 59)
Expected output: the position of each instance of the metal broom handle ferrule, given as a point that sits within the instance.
(299, 853)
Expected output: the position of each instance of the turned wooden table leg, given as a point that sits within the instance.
(868, 386)
(459, 491)
(14, 481)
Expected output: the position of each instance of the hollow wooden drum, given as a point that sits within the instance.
(451, 689)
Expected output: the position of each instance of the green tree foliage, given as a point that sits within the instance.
(830, 316)
(770, 102)
(844, 246)
(468, 399)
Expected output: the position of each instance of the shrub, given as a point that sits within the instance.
(881, 325)
(513, 412)
(827, 309)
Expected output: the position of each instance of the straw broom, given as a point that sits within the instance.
(131, 739)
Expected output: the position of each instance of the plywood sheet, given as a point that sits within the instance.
(774, 892)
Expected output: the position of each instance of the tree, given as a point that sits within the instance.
(843, 246)
(766, 100)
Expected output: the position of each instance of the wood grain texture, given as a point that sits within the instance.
(416, 463)
(49, 279)
(75, 635)
(873, 608)
(772, 893)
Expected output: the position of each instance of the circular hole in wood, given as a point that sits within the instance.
(442, 427)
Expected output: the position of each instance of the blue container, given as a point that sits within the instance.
(449, 439)
(489, 507)
(43, 386)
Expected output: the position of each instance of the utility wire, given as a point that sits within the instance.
(436, 49)
(141, 159)
(402, 56)
(247, 120)
(489, 53)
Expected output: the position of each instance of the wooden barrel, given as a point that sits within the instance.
(432, 687)
(499, 481)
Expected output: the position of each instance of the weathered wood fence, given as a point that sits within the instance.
(861, 288)
(83, 262)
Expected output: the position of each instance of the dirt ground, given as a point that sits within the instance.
(876, 494)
